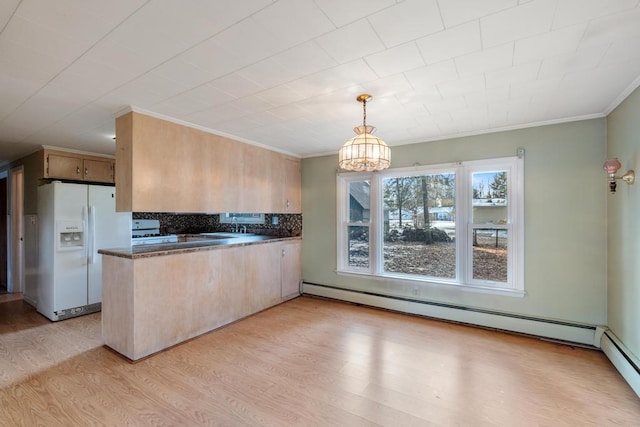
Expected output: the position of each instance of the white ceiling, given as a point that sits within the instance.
(286, 73)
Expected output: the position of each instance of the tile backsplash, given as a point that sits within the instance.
(289, 225)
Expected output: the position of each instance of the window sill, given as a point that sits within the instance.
(430, 282)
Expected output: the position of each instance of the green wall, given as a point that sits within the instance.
(565, 237)
(623, 222)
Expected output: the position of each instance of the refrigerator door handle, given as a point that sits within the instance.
(84, 235)
(92, 234)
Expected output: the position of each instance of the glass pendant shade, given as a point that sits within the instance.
(364, 152)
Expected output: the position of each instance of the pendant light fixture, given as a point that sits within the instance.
(364, 152)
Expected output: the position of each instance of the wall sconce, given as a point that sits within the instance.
(611, 166)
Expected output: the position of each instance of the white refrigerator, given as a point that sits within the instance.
(74, 221)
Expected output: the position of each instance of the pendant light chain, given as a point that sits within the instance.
(364, 109)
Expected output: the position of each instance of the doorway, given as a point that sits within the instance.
(4, 240)
(15, 279)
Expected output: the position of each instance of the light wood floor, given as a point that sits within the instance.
(308, 362)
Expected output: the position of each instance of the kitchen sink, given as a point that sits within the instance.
(225, 235)
(220, 237)
(199, 238)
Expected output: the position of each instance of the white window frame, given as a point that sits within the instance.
(514, 286)
(343, 221)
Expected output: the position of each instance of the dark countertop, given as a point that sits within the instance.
(201, 244)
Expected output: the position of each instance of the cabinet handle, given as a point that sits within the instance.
(283, 253)
(86, 172)
(288, 204)
(77, 170)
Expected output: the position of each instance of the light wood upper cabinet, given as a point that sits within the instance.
(270, 182)
(78, 167)
(64, 167)
(167, 167)
(293, 197)
(98, 170)
(259, 179)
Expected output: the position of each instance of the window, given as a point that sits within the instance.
(357, 213)
(456, 224)
(414, 242)
(241, 218)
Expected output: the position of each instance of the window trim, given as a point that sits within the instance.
(464, 224)
(242, 218)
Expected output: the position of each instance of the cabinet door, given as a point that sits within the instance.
(98, 170)
(252, 194)
(261, 189)
(262, 275)
(65, 167)
(293, 198)
(291, 269)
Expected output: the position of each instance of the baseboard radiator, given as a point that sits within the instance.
(570, 333)
(625, 362)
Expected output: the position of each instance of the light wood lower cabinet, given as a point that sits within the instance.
(152, 303)
(291, 269)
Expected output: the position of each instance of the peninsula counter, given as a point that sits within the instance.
(157, 296)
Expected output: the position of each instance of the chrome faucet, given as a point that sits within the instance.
(234, 220)
(244, 229)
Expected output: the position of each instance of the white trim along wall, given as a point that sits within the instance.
(570, 333)
(625, 362)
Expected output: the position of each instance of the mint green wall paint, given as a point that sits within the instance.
(565, 234)
(623, 221)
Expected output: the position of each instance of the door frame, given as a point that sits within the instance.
(4, 174)
(15, 225)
